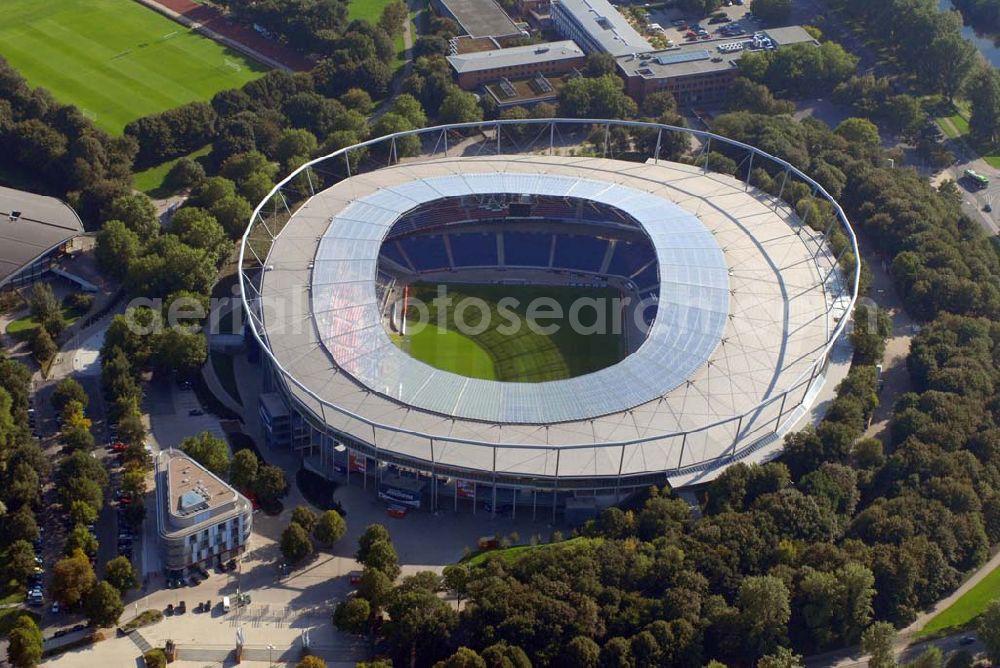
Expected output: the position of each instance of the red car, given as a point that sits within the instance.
(399, 512)
(118, 446)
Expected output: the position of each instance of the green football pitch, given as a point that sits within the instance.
(115, 59)
(505, 353)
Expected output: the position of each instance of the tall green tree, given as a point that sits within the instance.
(208, 450)
(25, 643)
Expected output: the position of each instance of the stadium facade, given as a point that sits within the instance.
(750, 305)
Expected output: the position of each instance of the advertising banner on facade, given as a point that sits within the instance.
(466, 489)
(357, 462)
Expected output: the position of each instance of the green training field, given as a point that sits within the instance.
(963, 612)
(115, 59)
(496, 353)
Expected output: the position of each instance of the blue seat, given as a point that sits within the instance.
(474, 249)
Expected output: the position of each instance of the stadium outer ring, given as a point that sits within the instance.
(701, 470)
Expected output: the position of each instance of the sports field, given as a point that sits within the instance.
(500, 350)
(115, 59)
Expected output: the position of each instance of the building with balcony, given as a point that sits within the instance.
(201, 520)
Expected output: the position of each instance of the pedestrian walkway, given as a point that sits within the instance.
(139, 641)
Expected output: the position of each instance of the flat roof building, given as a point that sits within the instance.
(553, 58)
(597, 27)
(33, 229)
(478, 18)
(702, 71)
(201, 520)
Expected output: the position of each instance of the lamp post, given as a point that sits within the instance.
(270, 658)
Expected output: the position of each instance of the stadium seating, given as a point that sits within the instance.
(526, 249)
(629, 258)
(426, 253)
(579, 252)
(475, 249)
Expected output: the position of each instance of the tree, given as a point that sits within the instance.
(42, 346)
(103, 605)
(989, 630)
(358, 100)
(81, 512)
(330, 528)
(352, 615)
(208, 450)
(763, 602)
(270, 485)
(233, 213)
(25, 643)
(137, 212)
(504, 655)
(460, 107)
(155, 658)
(243, 469)
(311, 662)
(184, 174)
(181, 351)
(305, 517)
(80, 539)
(781, 658)
(456, 579)
(295, 142)
(295, 543)
(116, 248)
(583, 652)
(600, 64)
(120, 574)
(199, 229)
(984, 95)
(409, 108)
(19, 560)
(771, 11)
(372, 534)
(946, 63)
(45, 308)
(462, 658)
(878, 641)
(72, 577)
(66, 390)
(381, 556)
(859, 131)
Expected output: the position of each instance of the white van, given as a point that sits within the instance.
(225, 604)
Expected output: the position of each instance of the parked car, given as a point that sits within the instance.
(55, 607)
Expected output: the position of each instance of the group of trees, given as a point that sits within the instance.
(81, 480)
(58, 149)
(799, 70)
(265, 482)
(305, 526)
(808, 554)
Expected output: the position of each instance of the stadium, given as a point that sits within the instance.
(398, 303)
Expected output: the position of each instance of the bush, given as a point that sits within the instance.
(155, 658)
(145, 618)
(79, 302)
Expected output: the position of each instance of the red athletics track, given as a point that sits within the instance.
(216, 22)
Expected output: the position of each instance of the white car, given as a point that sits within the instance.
(55, 607)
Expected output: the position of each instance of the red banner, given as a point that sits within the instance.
(357, 462)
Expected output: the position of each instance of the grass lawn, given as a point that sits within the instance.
(371, 11)
(514, 554)
(115, 59)
(23, 327)
(964, 611)
(150, 181)
(523, 354)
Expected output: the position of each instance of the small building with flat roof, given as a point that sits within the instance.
(700, 72)
(597, 27)
(478, 18)
(34, 230)
(549, 59)
(201, 520)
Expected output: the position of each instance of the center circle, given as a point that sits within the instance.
(349, 293)
(518, 288)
